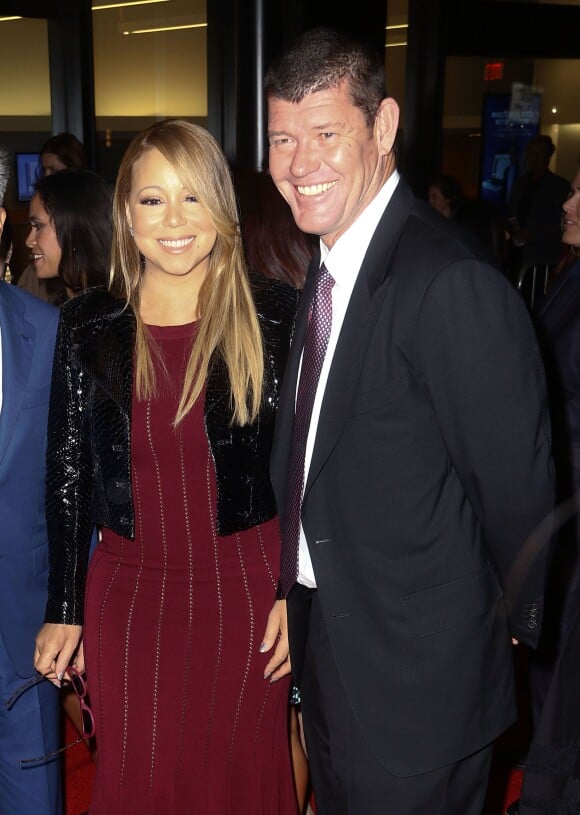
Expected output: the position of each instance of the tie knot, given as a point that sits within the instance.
(325, 279)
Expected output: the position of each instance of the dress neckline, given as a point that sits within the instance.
(160, 332)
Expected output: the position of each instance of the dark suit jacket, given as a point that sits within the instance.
(28, 328)
(431, 468)
(558, 325)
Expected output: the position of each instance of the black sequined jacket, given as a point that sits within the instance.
(88, 458)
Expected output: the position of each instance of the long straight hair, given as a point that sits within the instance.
(228, 323)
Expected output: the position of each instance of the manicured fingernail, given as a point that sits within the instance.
(267, 674)
(263, 647)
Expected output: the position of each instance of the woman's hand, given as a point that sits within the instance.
(55, 647)
(79, 658)
(277, 634)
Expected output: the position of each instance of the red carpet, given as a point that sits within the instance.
(80, 771)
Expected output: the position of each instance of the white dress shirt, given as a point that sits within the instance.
(343, 262)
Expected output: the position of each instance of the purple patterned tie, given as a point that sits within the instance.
(315, 344)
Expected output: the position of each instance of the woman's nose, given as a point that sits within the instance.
(174, 215)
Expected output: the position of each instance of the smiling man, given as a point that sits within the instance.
(411, 462)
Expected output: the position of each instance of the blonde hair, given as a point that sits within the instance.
(228, 323)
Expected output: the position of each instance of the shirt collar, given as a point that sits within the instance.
(345, 258)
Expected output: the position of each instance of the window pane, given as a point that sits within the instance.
(142, 73)
(553, 80)
(396, 50)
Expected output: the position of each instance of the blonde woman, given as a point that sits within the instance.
(162, 410)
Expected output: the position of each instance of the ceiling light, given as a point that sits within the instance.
(394, 44)
(127, 3)
(393, 27)
(164, 28)
(6, 19)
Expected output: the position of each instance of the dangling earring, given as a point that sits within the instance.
(131, 232)
(7, 274)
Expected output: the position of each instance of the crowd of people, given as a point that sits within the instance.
(283, 480)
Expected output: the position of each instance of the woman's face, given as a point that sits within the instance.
(172, 229)
(51, 163)
(42, 242)
(571, 216)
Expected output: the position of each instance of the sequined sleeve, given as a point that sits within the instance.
(68, 487)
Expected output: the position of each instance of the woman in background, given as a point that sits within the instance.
(61, 152)
(71, 230)
(161, 419)
(70, 236)
(475, 215)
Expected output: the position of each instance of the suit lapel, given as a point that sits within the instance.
(17, 345)
(359, 324)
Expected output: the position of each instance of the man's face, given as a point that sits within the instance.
(325, 161)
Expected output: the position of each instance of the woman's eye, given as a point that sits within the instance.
(191, 199)
(150, 201)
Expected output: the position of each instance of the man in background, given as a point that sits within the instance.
(535, 209)
(29, 723)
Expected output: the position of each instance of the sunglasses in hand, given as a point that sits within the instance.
(79, 686)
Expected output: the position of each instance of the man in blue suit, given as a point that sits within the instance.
(30, 727)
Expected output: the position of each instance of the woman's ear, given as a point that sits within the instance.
(387, 125)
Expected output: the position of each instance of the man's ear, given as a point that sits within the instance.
(386, 125)
(2, 218)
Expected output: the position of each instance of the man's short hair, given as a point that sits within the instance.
(321, 59)
(4, 173)
(544, 143)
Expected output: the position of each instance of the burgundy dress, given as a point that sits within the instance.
(185, 722)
